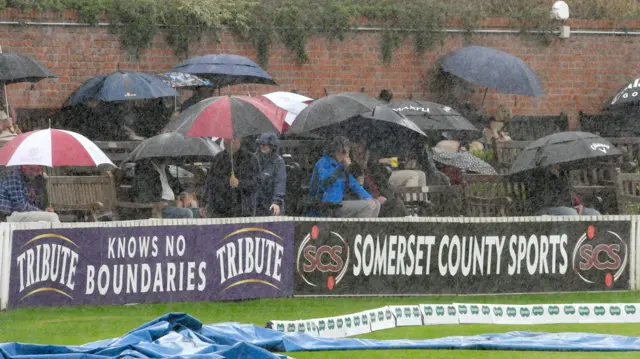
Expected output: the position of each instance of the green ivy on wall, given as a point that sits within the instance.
(294, 22)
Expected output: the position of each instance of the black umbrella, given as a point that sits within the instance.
(571, 148)
(384, 130)
(15, 68)
(493, 69)
(225, 70)
(175, 146)
(331, 110)
(628, 95)
(434, 117)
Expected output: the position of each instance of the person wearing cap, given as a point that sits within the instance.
(19, 198)
(331, 179)
(272, 181)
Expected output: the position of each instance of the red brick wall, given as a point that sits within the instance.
(579, 73)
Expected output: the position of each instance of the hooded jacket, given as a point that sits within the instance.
(272, 181)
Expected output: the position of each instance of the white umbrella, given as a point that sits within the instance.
(291, 102)
(52, 148)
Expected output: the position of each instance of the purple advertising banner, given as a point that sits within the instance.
(123, 265)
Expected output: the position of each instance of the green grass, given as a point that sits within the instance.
(78, 325)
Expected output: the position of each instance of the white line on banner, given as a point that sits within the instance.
(635, 254)
(5, 263)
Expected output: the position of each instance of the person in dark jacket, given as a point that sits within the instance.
(374, 177)
(152, 185)
(550, 193)
(232, 193)
(273, 177)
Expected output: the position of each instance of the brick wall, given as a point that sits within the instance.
(578, 74)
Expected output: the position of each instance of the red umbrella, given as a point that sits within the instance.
(230, 117)
(52, 148)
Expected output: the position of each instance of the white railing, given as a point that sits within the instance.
(6, 232)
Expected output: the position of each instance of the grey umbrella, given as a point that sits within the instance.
(15, 68)
(463, 160)
(434, 117)
(175, 146)
(332, 110)
(493, 69)
(571, 148)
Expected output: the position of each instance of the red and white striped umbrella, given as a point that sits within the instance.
(52, 148)
(229, 117)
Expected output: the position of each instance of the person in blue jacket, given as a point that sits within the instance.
(272, 181)
(331, 179)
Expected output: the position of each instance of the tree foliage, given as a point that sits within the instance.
(293, 22)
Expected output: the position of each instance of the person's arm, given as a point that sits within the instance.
(17, 192)
(358, 189)
(372, 187)
(323, 178)
(249, 179)
(280, 183)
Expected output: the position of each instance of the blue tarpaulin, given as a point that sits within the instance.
(178, 335)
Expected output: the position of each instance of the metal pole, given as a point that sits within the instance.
(4, 91)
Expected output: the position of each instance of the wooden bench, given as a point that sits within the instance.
(126, 208)
(492, 195)
(117, 151)
(433, 201)
(84, 198)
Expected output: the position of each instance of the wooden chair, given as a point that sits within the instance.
(628, 193)
(85, 198)
(506, 153)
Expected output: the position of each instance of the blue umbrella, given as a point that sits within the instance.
(493, 69)
(121, 86)
(226, 70)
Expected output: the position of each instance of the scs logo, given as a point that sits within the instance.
(600, 256)
(319, 255)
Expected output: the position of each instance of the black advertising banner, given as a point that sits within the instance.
(407, 258)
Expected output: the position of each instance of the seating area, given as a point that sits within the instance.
(81, 194)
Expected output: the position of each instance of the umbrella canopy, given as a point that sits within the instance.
(564, 148)
(331, 110)
(463, 160)
(184, 80)
(121, 86)
(225, 70)
(175, 146)
(229, 117)
(493, 69)
(291, 102)
(628, 95)
(52, 148)
(433, 117)
(384, 130)
(15, 68)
